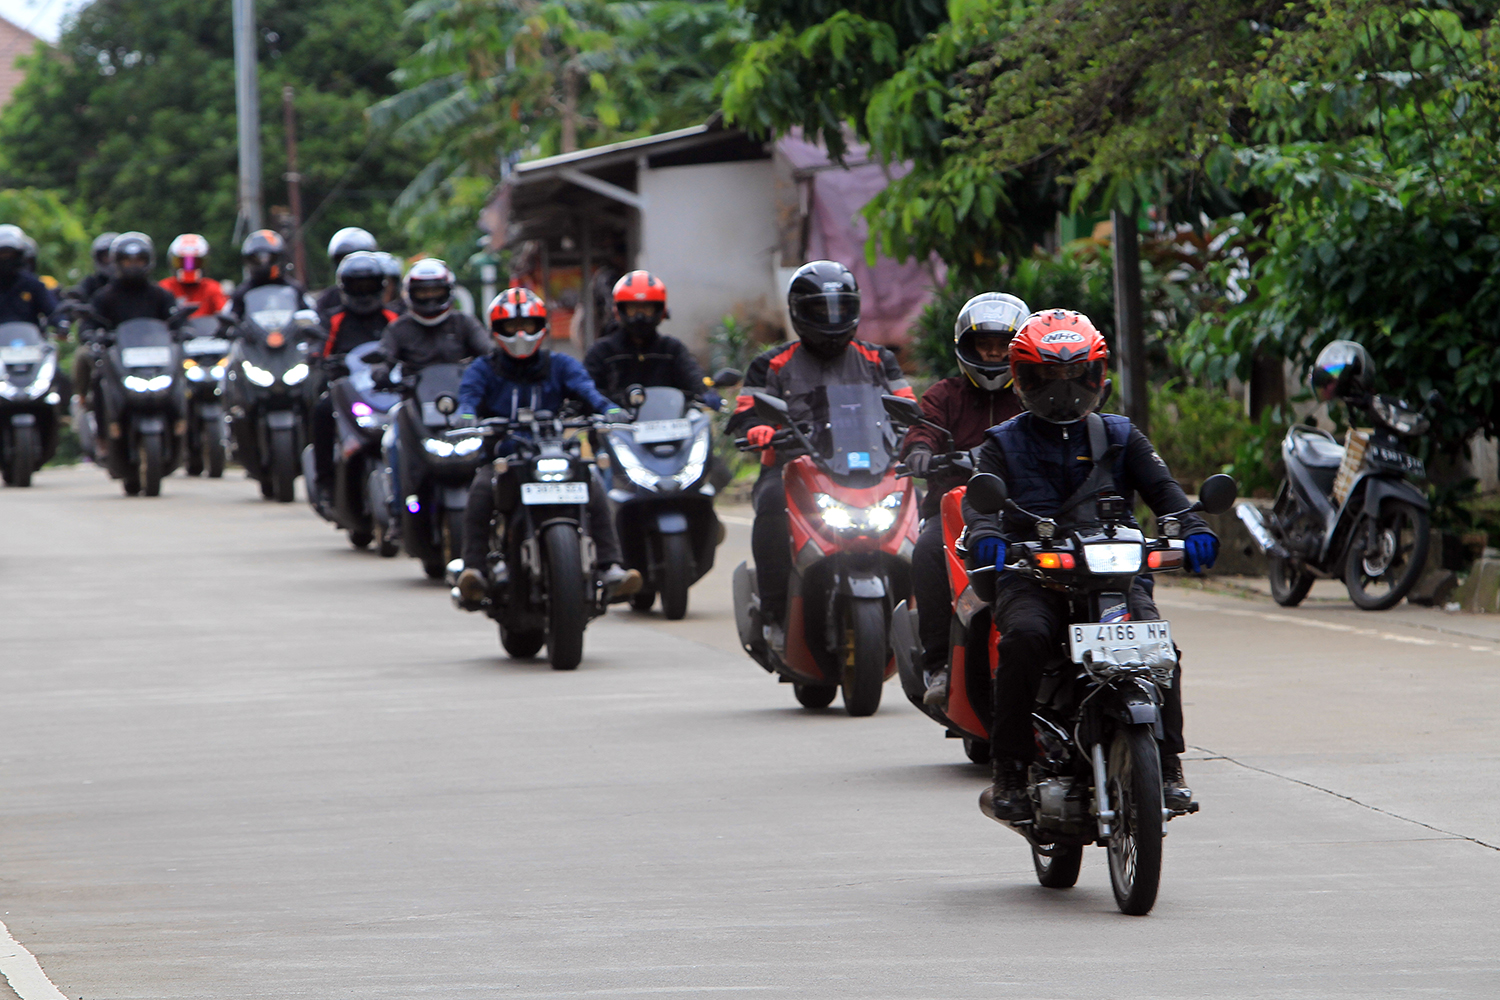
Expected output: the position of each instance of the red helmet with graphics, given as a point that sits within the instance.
(518, 321)
(187, 252)
(1058, 361)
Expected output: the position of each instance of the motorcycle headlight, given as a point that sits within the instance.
(696, 460)
(637, 473)
(154, 384)
(38, 384)
(195, 372)
(468, 445)
(295, 374)
(876, 520)
(553, 470)
(258, 375)
(218, 370)
(438, 447)
(1113, 557)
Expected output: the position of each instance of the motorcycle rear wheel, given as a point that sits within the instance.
(642, 599)
(1058, 869)
(864, 655)
(676, 576)
(1288, 586)
(978, 751)
(1135, 795)
(567, 597)
(814, 695)
(1386, 556)
(522, 645)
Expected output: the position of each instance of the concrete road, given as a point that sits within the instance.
(239, 759)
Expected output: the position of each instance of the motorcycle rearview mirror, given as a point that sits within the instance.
(635, 395)
(902, 410)
(987, 492)
(1217, 494)
(770, 408)
(726, 377)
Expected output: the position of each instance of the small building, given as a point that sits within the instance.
(15, 41)
(720, 217)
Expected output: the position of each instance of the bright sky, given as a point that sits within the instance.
(40, 17)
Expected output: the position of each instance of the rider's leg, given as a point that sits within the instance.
(1029, 619)
(934, 608)
(621, 582)
(769, 545)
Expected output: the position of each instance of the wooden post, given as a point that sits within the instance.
(1130, 334)
(294, 186)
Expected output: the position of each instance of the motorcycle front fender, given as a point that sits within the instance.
(278, 420)
(671, 522)
(150, 425)
(211, 411)
(455, 497)
(23, 419)
(1133, 703)
(861, 585)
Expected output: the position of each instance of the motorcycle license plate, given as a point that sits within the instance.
(26, 354)
(657, 431)
(146, 357)
(1120, 642)
(206, 345)
(540, 493)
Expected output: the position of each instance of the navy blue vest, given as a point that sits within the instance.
(1043, 467)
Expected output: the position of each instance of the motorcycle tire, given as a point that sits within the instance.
(361, 539)
(453, 536)
(194, 449)
(567, 596)
(375, 499)
(212, 434)
(1058, 867)
(283, 471)
(978, 751)
(814, 695)
(522, 645)
(1401, 533)
(151, 463)
(24, 447)
(676, 576)
(642, 599)
(1288, 586)
(1135, 841)
(864, 654)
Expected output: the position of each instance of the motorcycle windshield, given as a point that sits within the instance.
(855, 439)
(271, 307)
(202, 338)
(144, 343)
(22, 348)
(437, 388)
(662, 403)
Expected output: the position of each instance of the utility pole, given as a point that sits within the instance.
(294, 185)
(1130, 335)
(247, 109)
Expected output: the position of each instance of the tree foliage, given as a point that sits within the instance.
(133, 115)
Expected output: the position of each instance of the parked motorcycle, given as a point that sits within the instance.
(660, 467)
(550, 587)
(1097, 775)
(1347, 511)
(361, 414)
(435, 471)
(29, 401)
(263, 388)
(853, 525)
(205, 355)
(142, 403)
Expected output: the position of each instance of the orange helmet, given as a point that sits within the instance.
(640, 302)
(518, 321)
(1058, 360)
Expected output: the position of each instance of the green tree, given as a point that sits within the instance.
(133, 115)
(495, 79)
(61, 233)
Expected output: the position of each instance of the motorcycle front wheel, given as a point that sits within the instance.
(1134, 770)
(283, 472)
(567, 597)
(1288, 584)
(1386, 556)
(151, 464)
(24, 447)
(676, 574)
(864, 655)
(212, 435)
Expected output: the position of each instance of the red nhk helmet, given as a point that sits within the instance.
(518, 321)
(1058, 360)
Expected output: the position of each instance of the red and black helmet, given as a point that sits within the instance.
(518, 321)
(1058, 361)
(640, 301)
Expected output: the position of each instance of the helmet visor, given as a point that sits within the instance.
(428, 298)
(650, 312)
(1058, 393)
(372, 284)
(523, 325)
(830, 309)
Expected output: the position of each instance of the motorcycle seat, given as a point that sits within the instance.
(1317, 451)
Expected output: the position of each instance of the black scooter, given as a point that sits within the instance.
(141, 401)
(264, 391)
(1348, 514)
(29, 401)
(204, 358)
(659, 474)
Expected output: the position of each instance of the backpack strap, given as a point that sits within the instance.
(1099, 478)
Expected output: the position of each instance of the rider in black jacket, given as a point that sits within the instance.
(632, 352)
(131, 294)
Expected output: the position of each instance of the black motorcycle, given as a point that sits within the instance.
(361, 414)
(141, 403)
(550, 587)
(1098, 714)
(264, 391)
(435, 470)
(1348, 512)
(204, 358)
(29, 402)
(659, 469)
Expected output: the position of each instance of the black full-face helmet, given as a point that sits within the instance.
(1344, 371)
(264, 254)
(988, 314)
(100, 251)
(362, 282)
(823, 299)
(132, 256)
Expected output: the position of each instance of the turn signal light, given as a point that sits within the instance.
(1054, 560)
(1164, 559)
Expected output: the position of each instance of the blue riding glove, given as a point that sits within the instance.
(1200, 551)
(989, 551)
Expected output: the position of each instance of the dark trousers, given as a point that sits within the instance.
(323, 433)
(929, 577)
(1031, 622)
(769, 544)
(486, 502)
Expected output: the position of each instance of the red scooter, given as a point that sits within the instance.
(853, 524)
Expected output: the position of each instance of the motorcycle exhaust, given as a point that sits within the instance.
(1255, 523)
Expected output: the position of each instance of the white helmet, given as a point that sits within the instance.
(348, 240)
(429, 291)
